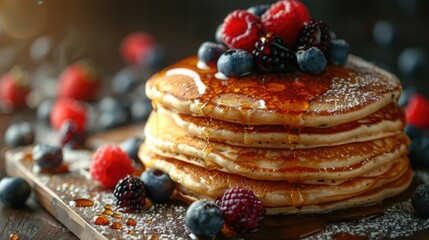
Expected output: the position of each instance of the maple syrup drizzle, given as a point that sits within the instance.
(14, 236)
(101, 220)
(131, 222)
(83, 202)
(116, 225)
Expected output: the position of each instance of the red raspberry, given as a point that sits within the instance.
(417, 111)
(241, 209)
(109, 164)
(65, 109)
(136, 46)
(14, 88)
(241, 30)
(286, 18)
(79, 81)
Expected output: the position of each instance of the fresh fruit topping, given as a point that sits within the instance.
(338, 52)
(241, 30)
(130, 193)
(125, 81)
(235, 63)
(69, 135)
(159, 185)
(131, 147)
(241, 209)
(417, 111)
(14, 192)
(14, 88)
(286, 18)
(19, 134)
(420, 200)
(258, 10)
(311, 60)
(204, 218)
(68, 109)
(141, 109)
(47, 156)
(209, 52)
(109, 164)
(44, 110)
(79, 81)
(136, 46)
(271, 54)
(419, 151)
(314, 33)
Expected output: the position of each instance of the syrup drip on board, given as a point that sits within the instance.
(101, 220)
(14, 236)
(83, 202)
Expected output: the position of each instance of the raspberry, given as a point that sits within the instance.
(417, 111)
(109, 164)
(241, 209)
(130, 193)
(272, 54)
(286, 18)
(315, 33)
(68, 109)
(241, 30)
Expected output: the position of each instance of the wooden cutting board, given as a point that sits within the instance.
(62, 192)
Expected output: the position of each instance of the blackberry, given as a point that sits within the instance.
(315, 33)
(130, 193)
(271, 54)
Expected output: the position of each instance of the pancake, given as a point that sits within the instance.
(388, 121)
(345, 161)
(282, 194)
(339, 95)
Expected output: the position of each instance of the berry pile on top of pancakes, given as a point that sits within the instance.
(278, 106)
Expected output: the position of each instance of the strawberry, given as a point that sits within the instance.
(417, 111)
(285, 19)
(14, 88)
(68, 109)
(79, 81)
(137, 46)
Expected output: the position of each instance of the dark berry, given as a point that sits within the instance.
(315, 33)
(70, 136)
(241, 30)
(338, 52)
(44, 110)
(19, 134)
(14, 192)
(141, 109)
(420, 200)
(209, 52)
(159, 185)
(204, 218)
(419, 151)
(130, 193)
(413, 132)
(311, 60)
(125, 81)
(154, 60)
(384, 33)
(271, 54)
(131, 147)
(47, 156)
(412, 61)
(235, 63)
(241, 209)
(258, 10)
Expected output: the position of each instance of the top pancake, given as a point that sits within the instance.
(339, 95)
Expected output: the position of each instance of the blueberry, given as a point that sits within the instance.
(420, 200)
(141, 109)
(14, 192)
(47, 156)
(338, 52)
(258, 10)
(131, 147)
(19, 134)
(159, 185)
(44, 110)
(235, 63)
(419, 151)
(204, 218)
(311, 60)
(209, 52)
(218, 34)
(411, 61)
(384, 33)
(125, 81)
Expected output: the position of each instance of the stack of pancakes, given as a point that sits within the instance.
(302, 143)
